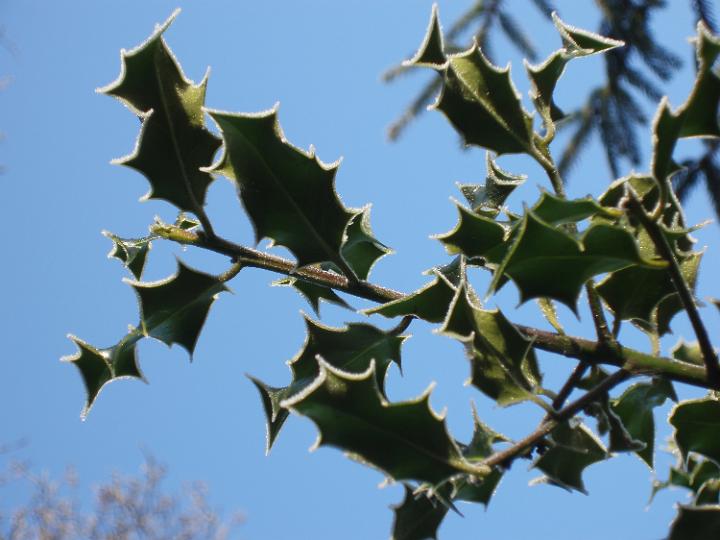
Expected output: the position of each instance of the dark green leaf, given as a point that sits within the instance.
(688, 352)
(582, 41)
(696, 523)
(131, 252)
(406, 440)
(101, 366)
(174, 310)
(636, 292)
(697, 117)
(483, 105)
(555, 210)
(474, 235)
(173, 144)
(635, 409)
(429, 303)
(417, 517)
(349, 349)
(697, 424)
(432, 50)
(490, 197)
(572, 450)
(545, 261)
(312, 292)
(503, 362)
(289, 194)
(360, 249)
(480, 490)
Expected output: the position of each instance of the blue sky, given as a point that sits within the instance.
(322, 61)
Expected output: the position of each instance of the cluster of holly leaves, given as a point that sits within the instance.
(632, 238)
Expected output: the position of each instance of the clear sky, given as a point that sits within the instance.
(322, 61)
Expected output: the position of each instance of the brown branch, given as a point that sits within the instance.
(591, 352)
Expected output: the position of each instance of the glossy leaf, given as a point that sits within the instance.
(572, 450)
(429, 303)
(100, 366)
(556, 211)
(696, 523)
(545, 261)
(688, 352)
(697, 117)
(360, 249)
(350, 349)
(174, 310)
(548, 310)
(637, 292)
(474, 235)
(697, 423)
(312, 292)
(490, 197)
(131, 252)
(288, 194)
(432, 50)
(482, 104)
(480, 490)
(635, 409)
(173, 144)
(503, 363)
(417, 517)
(583, 41)
(406, 440)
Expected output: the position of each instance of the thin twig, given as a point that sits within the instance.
(687, 299)
(546, 426)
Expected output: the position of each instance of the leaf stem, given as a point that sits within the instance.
(687, 299)
(504, 457)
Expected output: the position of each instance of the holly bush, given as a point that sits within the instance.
(629, 249)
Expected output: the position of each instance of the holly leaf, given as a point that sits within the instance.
(635, 409)
(360, 249)
(432, 49)
(429, 303)
(406, 440)
(583, 42)
(174, 310)
(312, 292)
(490, 197)
(173, 144)
(696, 523)
(100, 366)
(474, 235)
(503, 362)
(480, 490)
(637, 292)
(572, 450)
(417, 517)
(131, 252)
(481, 102)
(544, 77)
(545, 261)
(688, 352)
(697, 117)
(350, 349)
(696, 424)
(288, 194)
(556, 211)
